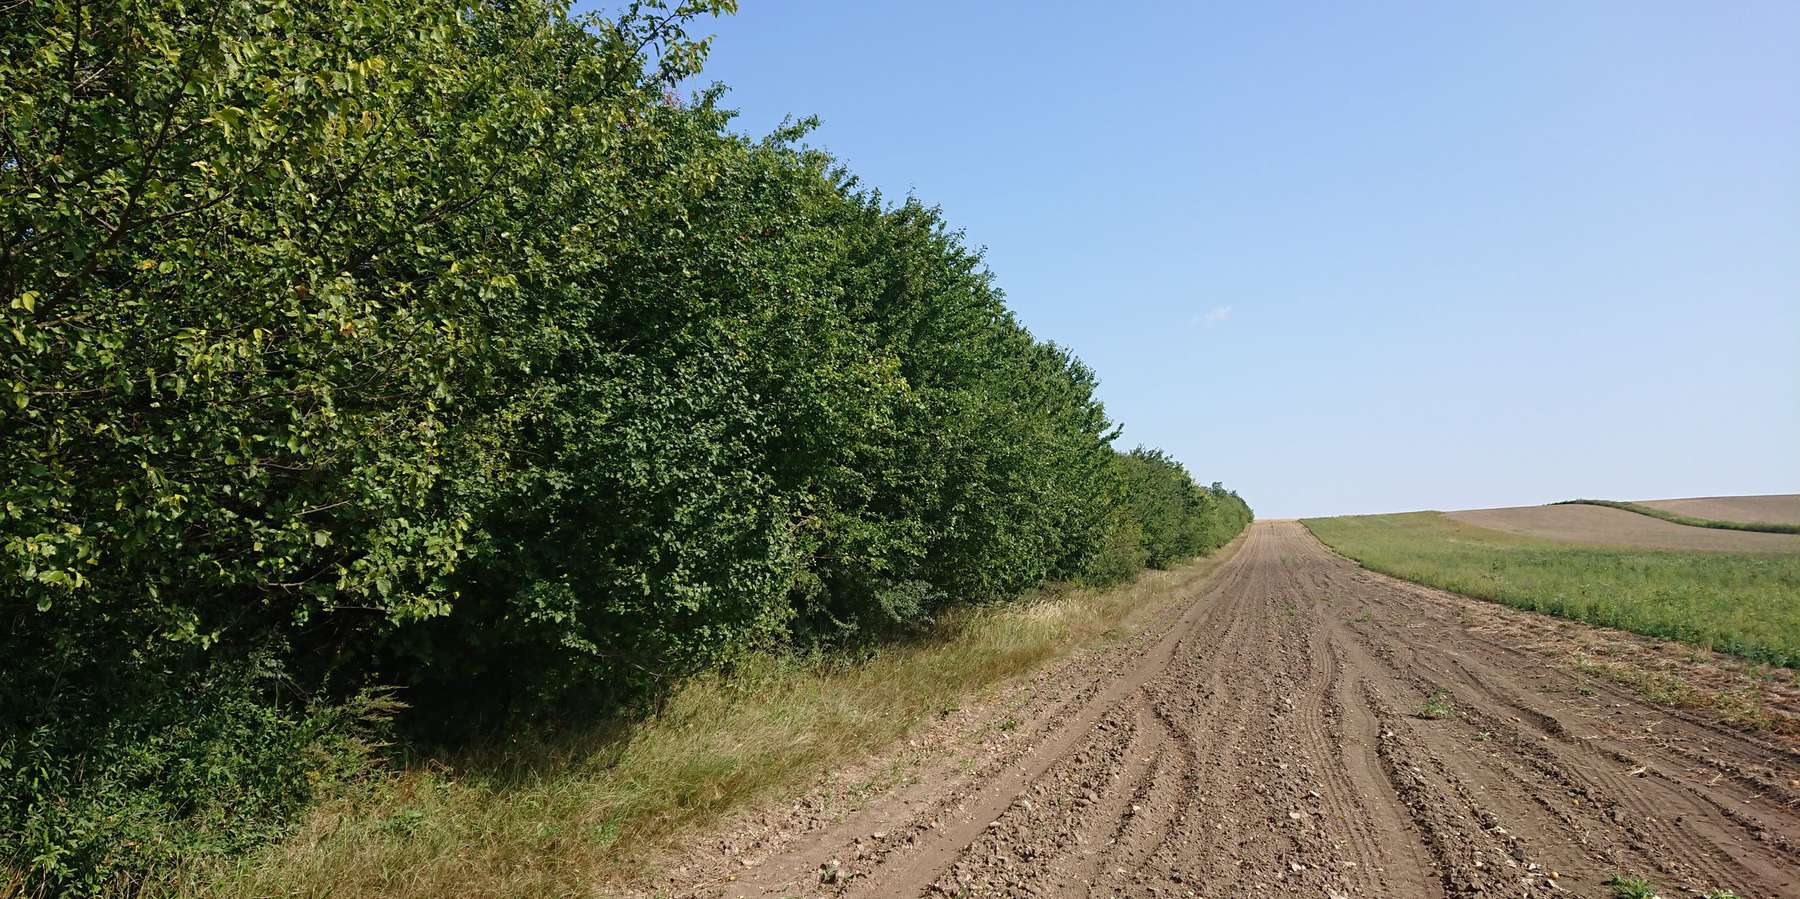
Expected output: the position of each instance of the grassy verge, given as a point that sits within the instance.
(1743, 604)
(1768, 527)
(592, 810)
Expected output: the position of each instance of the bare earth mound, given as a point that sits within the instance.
(1604, 525)
(1774, 509)
(1301, 727)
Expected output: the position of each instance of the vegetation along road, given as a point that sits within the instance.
(1301, 726)
(446, 454)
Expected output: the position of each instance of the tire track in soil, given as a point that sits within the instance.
(1662, 829)
(1265, 741)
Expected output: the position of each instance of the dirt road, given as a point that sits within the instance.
(1270, 737)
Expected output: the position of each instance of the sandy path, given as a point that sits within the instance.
(1264, 739)
(1577, 523)
(1778, 508)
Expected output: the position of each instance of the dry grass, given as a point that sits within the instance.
(586, 813)
(1744, 705)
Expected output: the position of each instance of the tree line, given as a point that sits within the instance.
(361, 353)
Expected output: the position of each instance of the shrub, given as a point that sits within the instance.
(204, 765)
(1177, 518)
(382, 342)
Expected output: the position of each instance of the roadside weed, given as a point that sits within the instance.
(1437, 706)
(1624, 887)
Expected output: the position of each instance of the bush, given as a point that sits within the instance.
(278, 280)
(1176, 518)
(207, 765)
(382, 342)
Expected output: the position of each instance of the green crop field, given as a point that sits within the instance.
(1747, 605)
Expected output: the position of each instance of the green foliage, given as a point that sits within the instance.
(1437, 706)
(1161, 517)
(206, 765)
(1631, 887)
(1178, 519)
(1767, 527)
(1740, 604)
(360, 342)
(277, 281)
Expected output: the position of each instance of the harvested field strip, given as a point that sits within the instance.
(1604, 526)
(1767, 527)
(1744, 604)
(1776, 507)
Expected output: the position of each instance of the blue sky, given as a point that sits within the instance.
(1358, 257)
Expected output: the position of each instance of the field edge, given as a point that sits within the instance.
(1730, 687)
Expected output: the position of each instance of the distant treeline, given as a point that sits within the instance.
(366, 344)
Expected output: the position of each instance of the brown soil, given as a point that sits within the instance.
(1776, 509)
(1577, 523)
(1267, 738)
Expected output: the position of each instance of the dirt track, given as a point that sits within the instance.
(1265, 738)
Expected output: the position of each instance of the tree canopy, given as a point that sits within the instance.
(357, 344)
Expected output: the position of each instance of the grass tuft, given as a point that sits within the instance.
(1632, 887)
(1437, 706)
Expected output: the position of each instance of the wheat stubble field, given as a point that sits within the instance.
(1301, 726)
(1615, 527)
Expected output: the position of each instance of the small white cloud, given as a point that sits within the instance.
(1213, 316)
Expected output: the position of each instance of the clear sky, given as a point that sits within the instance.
(1358, 257)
